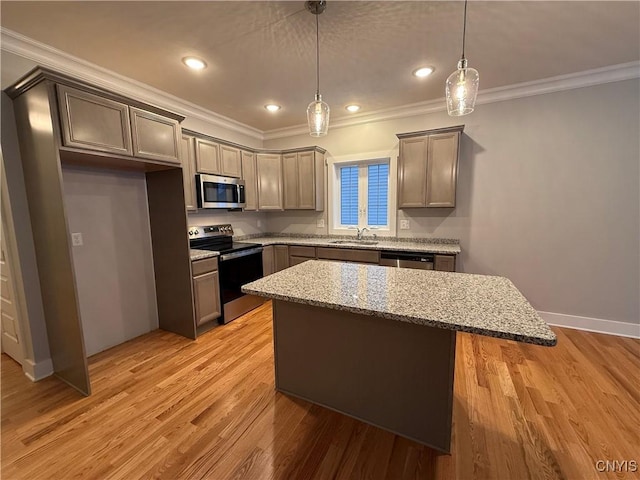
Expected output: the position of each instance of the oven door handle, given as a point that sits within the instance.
(241, 253)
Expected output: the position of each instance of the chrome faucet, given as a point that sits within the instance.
(360, 233)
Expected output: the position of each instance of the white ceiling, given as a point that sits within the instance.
(263, 52)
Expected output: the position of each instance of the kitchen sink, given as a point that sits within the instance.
(355, 242)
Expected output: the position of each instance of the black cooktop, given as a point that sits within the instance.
(224, 248)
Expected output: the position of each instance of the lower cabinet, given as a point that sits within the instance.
(299, 254)
(206, 291)
(280, 257)
(267, 261)
(445, 263)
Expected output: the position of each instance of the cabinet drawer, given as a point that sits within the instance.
(349, 255)
(300, 251)
(199, 267)
(445, 263)
(293, 260)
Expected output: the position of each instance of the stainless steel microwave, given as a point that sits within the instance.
(214, 191)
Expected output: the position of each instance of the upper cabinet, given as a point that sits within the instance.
(428, 168)
(154, 137)
(269, 173)
(188, 154)
(93, 122)
(250, 177)
(231, 163)
(303, 178)
(207, 157)
(218, 159)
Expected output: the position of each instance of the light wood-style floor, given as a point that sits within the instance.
(167, 407)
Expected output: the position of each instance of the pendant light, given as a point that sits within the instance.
(317, 111)
(462, 85)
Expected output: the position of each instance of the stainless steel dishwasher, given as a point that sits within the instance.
(422, 261)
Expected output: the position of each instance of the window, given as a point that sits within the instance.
(361, 195)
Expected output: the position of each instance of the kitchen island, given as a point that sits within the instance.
(378, 343)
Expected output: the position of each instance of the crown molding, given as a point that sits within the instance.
(587, 78)
(47, 56)
(63, 62)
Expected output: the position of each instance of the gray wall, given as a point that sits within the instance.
(114, 267)
(34, 328)
(548, 195)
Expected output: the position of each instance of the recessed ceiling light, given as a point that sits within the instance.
(272, 107)
(423, 71)
(352, 108)
(194, 63)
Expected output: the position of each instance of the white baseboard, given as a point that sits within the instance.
(37, 371)
(609, 327)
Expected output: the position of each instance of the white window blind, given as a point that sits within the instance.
(349, 196)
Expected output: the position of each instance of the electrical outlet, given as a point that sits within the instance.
(320, 223)
(259, 223)
(404, 224)
(76, 239)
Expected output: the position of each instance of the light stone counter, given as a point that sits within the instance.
(444, 246)
(201, 254)
(481, 304)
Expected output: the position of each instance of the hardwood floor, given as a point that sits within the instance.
(171, 408)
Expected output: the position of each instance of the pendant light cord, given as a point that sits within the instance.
(317, 57)
(464, 28)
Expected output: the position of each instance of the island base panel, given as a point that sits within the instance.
(394, 375)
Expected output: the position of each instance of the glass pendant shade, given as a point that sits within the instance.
(462, 89)
(318, 117)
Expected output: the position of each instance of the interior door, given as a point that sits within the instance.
(10, 324)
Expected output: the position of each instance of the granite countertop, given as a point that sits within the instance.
(201, 254)
(486, 305)
(444, 246)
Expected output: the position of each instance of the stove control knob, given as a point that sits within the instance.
(197, 231)
(190, 232)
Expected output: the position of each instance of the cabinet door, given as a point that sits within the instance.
(250, 180)
(230, 161)
(445, 263)
(93, 122)
(188, 154)
(207, 157)
(306, 181)
(269, 169)
(290, 180)
(412, 172)
(281, 257)
(206, 297)
(154, 137)
(321, 174)
(442, 170)
(268, 266)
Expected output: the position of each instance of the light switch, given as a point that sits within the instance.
(404, 224)
(76, 239)
(320, 223)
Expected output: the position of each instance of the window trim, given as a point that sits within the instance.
(333, 197)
